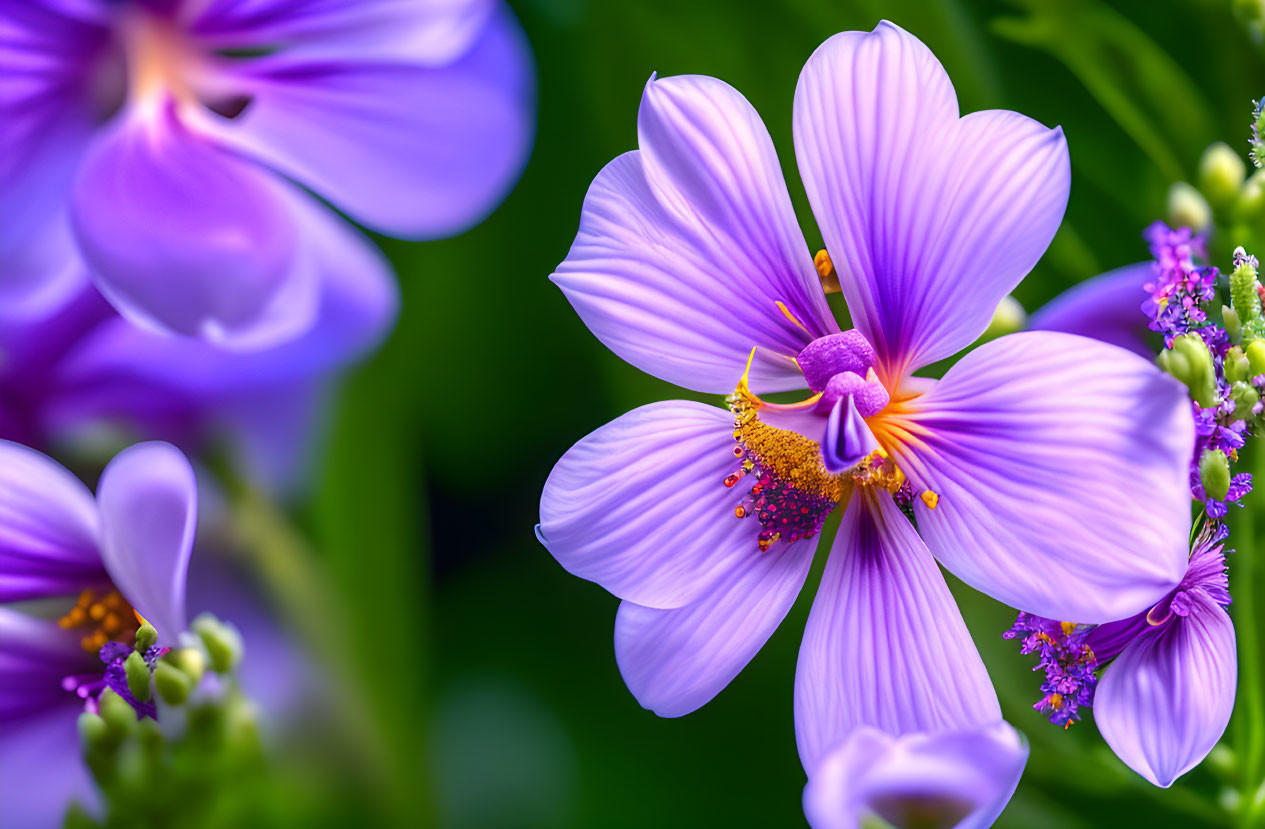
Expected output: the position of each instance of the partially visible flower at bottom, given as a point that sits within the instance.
(947, 779)
(1166, 695)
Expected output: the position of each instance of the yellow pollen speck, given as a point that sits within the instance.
(1056, 701)
(826, 272)
(931, 499)
(1068, 627)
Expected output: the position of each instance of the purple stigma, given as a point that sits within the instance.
(825, 357)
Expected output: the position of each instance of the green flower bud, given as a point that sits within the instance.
(1250, 205)
(189, 660)
(119, 717)
(1007, 319)
(1214, 474)
(1231, 323)
(137, 676)
(1221, 174)
(1187, 207)
(222, 642)
(1256, 357)
(146, 636)
(173, 684)
(1236, 365)
(93, 732)
(1190, 362)
(1245, 397)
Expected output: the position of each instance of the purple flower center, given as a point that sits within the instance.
(149, 62)
(796, 485)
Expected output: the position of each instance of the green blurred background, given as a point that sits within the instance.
(482, 673)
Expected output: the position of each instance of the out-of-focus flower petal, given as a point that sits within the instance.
(1061, 467)
(42, 770)
(48, 528)
(1107, 307)
(149, 508)
(1166, 700)
(640, 506)
(430, 33)
(885, 644)
(183, 236)
(47, 55)
(960, 779)
(412, 151)
(359, 301)
(35, 654)
(929, 219)
(687, 247)
(675, 661)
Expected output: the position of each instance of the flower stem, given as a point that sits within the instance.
(1249, 735)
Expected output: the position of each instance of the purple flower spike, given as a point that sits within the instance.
(160, 148)
(690, 265)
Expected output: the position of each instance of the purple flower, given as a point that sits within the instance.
(954, 778)
(160, 147)
(124, 552)
(1167, 692)
(69, 373)
(690, 265)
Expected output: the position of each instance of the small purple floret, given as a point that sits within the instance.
(1068, 661)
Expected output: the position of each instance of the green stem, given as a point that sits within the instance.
(1249, 736)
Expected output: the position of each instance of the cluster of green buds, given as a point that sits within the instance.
(1225, 202)
(203, 746)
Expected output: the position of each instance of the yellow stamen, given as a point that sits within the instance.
(791, 317)
(931, 499)
(1068, 627)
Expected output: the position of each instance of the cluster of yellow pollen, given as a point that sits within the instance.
(105, 618)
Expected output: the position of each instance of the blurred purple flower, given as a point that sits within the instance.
(689, 264)
(1166, 694)
(953, 778)
(161, 147)
(126, 549)
(83, 366)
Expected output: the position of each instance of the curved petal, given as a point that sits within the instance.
(675, 661)
(183, 236)
(411, 151)
(149, 509)
(640, 505)
(1061, 466)
(885, 644)
(962, 779)
(1107, 307)
(358, 304)
(687, 247)
(434, 32)
(929, 219)
(48, 528)
(1166, 700)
